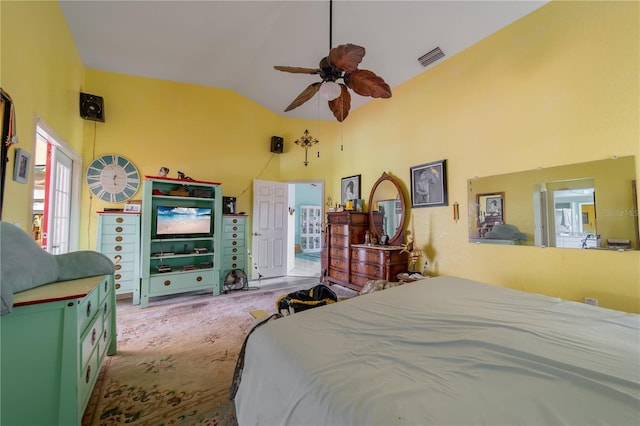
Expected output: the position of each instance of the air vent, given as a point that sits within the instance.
(430, 57)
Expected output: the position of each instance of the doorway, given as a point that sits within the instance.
(56, 194)
(278, 230)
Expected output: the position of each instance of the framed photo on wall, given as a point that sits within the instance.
(429, 184)
(350, 189)
(21, 166)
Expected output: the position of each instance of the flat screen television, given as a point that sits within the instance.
(173, 221)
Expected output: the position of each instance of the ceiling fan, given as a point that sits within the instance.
(341, 63)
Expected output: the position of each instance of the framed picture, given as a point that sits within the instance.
(350, 189)
(429, 184)
(132, 207)
(21, 166)
(490, 208)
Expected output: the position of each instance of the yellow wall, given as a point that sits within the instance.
(557, 87)
(41, 69)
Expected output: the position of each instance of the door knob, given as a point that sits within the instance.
(255, 234)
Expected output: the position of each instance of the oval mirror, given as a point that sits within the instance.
(387, 210)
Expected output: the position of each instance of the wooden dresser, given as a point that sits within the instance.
(376, 263)
(343, 230)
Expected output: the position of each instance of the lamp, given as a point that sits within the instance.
(330, 90)
(306, 141)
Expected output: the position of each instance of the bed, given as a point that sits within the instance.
(444, 351)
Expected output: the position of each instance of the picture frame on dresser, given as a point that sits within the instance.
(429, 184)
(350, 189)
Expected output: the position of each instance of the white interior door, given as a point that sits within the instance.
(269, 238)
(60, 203)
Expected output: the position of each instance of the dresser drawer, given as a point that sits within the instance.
(129, 229)
(338, 274)
(338, 241)
(229, 228)
(126, 286)
(105, 339)
(232, 243)
(349, 218)
(87, 308)
(366, 255)
(90, 340)
(171, 283)
(234, 261)
(371, 269)
(339, 253)
(87, 379)
(112, 240)
(339, 263)
(358, 280)
(119, 219)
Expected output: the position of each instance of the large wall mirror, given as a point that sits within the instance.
(387, 210)
(590, 205)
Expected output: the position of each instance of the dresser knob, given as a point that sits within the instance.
(119, 220)
(118, 267)
(235, 235)
(119, 238)
(118, 248)
(235, 250)
(117, 277)
(118, 286)
(118, 228)
(235, 228)
(89, 309)
(104, 336)
(234, 258)
(198, 278)
(117, 258)
(167, 283)
(235, 220)
(93, 337)
(234, 243)
(88, 376)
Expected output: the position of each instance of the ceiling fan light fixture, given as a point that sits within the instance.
(330, 90)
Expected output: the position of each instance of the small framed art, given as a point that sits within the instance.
(350, 189)
(429, 184)
(21, 166)
(132, 208)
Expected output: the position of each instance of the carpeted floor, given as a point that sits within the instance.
(176, 358)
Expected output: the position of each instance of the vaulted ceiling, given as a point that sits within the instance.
(235, 44)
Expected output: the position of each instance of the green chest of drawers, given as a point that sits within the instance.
(234, 244)
(119, 238)
(53, 345)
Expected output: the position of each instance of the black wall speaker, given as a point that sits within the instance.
(91, 107)
(277, 144)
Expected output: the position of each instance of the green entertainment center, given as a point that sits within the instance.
(181, 237)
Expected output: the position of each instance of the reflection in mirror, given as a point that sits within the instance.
(386, 210)
(586, 206)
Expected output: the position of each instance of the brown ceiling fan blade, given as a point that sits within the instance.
(367, 83)
(341, 105)
(303, 97)
(346, 56)
(297, 70)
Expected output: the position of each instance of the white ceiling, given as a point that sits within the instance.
(235, 44)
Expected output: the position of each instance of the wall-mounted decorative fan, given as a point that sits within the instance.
(342, 63)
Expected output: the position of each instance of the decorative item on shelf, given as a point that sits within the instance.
(349, 205)
(411, 248)
(367, 238)
(202, 193)
(228, 205)
(163, 172)
(329, 202)
(132, 207)
(181, 191)
(359, 204)
(384, 239)
(306, 141)
(182, 176)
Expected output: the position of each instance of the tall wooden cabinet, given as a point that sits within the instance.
(181, 246)
(343, 230)
(119, 238)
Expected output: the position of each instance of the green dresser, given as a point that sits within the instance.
(119, 238)
(234, 245)
(53, 344)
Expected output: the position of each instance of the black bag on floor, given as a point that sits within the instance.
(302, 300)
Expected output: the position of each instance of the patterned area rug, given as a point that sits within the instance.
(176, 358)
